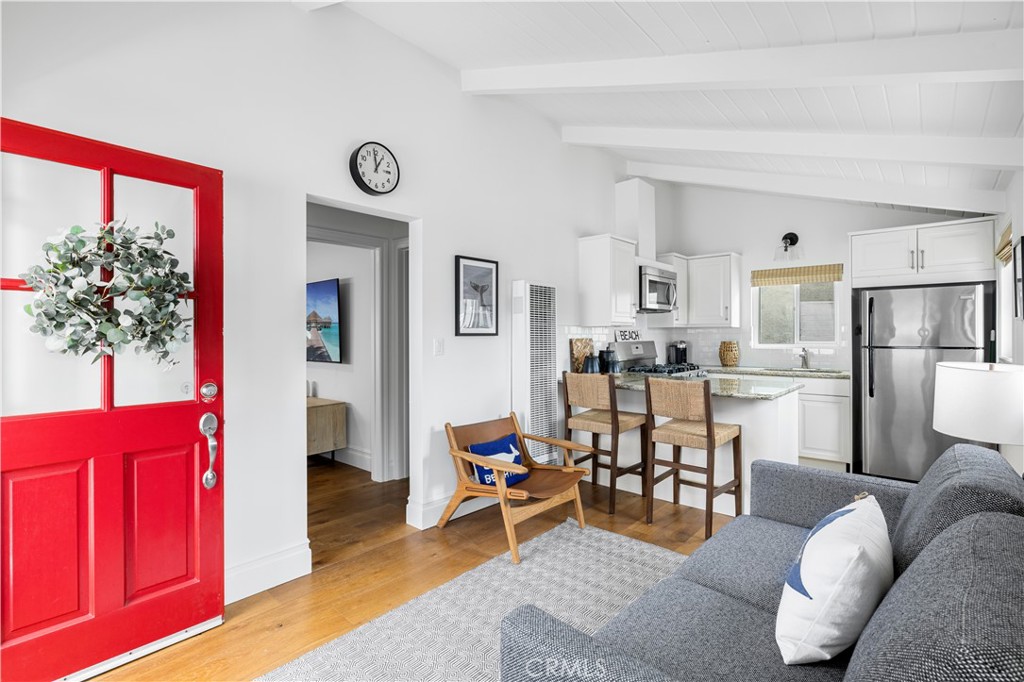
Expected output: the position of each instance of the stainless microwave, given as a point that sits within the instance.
(657, 289)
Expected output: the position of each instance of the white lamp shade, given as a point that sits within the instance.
(980, 401)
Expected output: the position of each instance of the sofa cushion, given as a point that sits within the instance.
(843, 571)
(965, 480)
(747, 559)
(955, 614)
(697, 634)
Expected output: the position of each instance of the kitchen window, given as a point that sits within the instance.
(794, 307)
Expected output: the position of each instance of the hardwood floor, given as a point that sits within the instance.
(367, 561)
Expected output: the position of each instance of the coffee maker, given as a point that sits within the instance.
(676, 353)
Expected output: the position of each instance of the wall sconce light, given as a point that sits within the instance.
(788, 250)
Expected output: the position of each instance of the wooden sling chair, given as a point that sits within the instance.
(550, 485)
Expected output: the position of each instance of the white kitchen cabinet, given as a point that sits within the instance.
(825, 427)
(960, 251)
(608, 280)
(884, 254)
(713, 299)
(955, 248)
(678, 317)
(825, 439)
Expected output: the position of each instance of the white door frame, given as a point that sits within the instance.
(396, 464)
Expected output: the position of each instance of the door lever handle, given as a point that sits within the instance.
(208, 427)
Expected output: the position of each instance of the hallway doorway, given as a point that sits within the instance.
(368, 257)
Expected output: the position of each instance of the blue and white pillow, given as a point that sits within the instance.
(841, 574)
(505, 449)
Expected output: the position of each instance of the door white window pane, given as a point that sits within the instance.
(137, 379)
(776, 324)
(35, 379)
(42, 199)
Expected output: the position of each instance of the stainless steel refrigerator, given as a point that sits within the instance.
(899, 335)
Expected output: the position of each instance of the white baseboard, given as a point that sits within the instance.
(425, 515)
(261, 574)
(360, 459)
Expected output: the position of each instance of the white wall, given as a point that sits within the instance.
(714, 221)
(352, 380)
(277, 98)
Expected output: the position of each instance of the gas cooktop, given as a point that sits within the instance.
(687, 369)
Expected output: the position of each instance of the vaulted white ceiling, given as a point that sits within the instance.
(915, 104)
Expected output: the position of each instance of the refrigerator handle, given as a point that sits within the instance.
(871, 321)
(871, 346)
(871, 372)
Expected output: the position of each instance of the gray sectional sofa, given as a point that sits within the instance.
(955, 612)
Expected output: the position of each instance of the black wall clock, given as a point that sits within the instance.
(374, 168)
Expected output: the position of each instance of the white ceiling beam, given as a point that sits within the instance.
(987, 56)
(986, 152)
(982, 201)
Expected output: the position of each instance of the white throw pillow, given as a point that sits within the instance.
(843, 571)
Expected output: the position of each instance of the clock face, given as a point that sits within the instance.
(374, 168)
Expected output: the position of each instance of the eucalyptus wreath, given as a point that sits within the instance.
(79, 311)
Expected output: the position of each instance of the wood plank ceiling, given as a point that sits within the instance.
(907, 104)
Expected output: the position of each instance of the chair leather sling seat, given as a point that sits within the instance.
(693, 434)
(544, 483)
(600, 421)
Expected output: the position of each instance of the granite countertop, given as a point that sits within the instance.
(745, 388)
(771, 372)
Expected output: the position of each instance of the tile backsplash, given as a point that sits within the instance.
(600, 335)
(702, 348)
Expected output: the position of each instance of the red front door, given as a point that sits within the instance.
(110, 539)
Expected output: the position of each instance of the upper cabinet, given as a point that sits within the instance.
(714, 291)
(961, 251)
(608, 280)
(708, 292)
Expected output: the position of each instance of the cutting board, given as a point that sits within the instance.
(580, 350)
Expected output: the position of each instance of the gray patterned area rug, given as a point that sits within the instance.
(583, 577)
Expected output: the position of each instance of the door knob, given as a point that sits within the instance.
(208, 427)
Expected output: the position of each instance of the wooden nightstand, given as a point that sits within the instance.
(326, 426)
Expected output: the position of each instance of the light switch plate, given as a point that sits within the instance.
(438, 346)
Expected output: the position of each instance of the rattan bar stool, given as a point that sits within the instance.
(595, 393)
(687, 404)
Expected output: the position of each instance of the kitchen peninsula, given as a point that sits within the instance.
(764, 407)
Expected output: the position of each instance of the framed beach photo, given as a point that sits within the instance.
(476, 297)
(323, 321)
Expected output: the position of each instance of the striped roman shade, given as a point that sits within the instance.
(1004, 250)
(811, 274)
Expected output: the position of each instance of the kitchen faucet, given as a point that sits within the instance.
(804, 364)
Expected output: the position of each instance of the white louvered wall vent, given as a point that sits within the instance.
(534, 370)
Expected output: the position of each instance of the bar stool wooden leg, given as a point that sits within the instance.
(644, 456)
(737, 469)
(677, 457)
(649, 479)
(709, 489)
(595, 440)
(613, 473)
